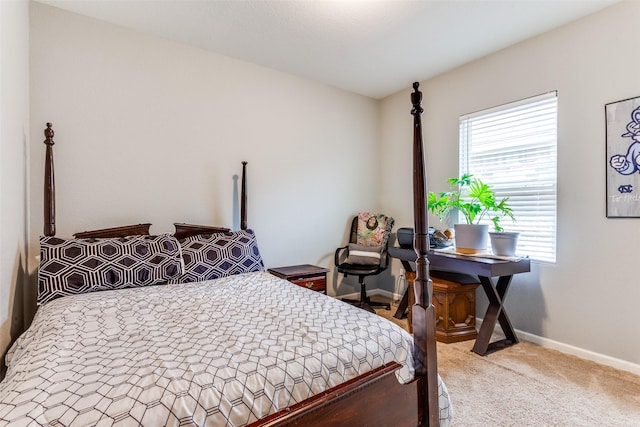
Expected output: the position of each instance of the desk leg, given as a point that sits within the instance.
(404, 303)
(402, 307)
(495, 313)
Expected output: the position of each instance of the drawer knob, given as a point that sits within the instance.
(309, 285)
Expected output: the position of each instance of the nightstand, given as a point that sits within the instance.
(306, 275)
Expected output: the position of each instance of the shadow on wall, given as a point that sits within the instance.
(24, 306)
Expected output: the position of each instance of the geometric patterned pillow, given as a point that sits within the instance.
(211, 256)
(77, 266)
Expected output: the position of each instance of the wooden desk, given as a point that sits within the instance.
(485, 269)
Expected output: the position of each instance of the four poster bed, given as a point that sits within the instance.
(222, 342)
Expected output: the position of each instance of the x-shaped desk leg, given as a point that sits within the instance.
(404, 303)
(495, 313)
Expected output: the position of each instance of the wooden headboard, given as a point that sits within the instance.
(182, 230)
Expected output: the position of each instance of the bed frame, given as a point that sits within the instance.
(388, 403)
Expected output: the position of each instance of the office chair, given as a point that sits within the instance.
(366, 254)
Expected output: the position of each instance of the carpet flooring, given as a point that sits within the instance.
(530, 385)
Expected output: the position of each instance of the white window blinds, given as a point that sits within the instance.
(513, 148)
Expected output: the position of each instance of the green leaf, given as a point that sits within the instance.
(473, 198)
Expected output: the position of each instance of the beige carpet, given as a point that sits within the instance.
(529, 385)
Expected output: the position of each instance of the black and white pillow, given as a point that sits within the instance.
(76, 266)
(364, 255)
(211, 256)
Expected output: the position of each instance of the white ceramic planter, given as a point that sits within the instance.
(504, 243)
(471, 238)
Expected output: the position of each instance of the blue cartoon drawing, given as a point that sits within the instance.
(629, 163)
(625, 188)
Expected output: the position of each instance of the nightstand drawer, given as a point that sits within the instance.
(308, 276)
(317, 283)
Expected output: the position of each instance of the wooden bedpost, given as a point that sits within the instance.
(243, 198)
(423, 311)
(49, 185)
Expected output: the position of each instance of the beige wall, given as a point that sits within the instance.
(14, 134)
(149, 130)
(589, 297)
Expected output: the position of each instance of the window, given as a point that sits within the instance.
(513, 148)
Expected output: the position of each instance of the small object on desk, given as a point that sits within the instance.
(437, 239)
(405, 237)
(305, 275)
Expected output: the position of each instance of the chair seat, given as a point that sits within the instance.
(355, 269)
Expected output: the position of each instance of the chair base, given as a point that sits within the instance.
(367, 304)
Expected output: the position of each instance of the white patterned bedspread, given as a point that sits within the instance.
(221, 353)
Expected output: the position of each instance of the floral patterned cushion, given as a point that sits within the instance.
(374, 229)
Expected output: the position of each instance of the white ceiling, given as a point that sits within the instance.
(371, 47)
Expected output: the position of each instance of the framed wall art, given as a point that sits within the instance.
(623, 158)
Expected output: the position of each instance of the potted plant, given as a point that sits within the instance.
(475, 200)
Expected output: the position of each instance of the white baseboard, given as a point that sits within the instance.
(582, 353)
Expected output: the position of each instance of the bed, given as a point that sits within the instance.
(188, 328)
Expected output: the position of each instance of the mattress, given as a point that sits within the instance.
(224, 352)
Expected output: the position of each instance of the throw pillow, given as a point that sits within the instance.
(211, 256)
(76, 266)
(364, 255)
(373, 229)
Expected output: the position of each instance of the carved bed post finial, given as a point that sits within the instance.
(423, 311)
(416, 100)
(243, 198)
(48, 134)
(49, 185)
